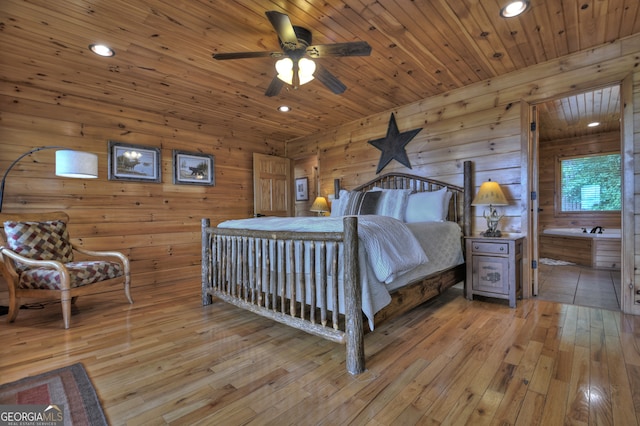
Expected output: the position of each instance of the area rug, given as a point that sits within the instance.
(67, 393)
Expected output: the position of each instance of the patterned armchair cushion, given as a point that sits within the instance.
(82, 273)
(39, 241)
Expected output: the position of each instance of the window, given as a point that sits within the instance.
(590, 184)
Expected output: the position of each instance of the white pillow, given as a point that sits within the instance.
(393, 202)
(428, 206)
(339, 205)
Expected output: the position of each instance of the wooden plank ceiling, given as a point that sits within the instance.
(570, 117)
(163, 50)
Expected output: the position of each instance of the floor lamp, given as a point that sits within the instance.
(73, 164)
(69, 163)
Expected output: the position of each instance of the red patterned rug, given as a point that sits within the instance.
(66, 392)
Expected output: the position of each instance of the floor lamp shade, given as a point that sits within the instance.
(76, 164)
(72, 164)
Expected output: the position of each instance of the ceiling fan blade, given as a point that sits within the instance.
(245, 55)
(274, 87)
(329, 80)
(355, 48)
(282, 24)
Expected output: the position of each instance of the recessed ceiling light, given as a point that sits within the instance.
(593, 124)
(284, 108)
(514, 8)
(102, 50)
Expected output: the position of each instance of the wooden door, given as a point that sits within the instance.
(272, 186)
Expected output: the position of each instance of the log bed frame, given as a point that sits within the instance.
(226, 274)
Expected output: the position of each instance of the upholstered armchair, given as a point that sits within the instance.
(39, 261)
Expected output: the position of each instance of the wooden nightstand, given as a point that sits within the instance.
(494, 267)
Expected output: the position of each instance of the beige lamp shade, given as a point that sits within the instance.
(320, 205)
(490, 194)
(76, 164)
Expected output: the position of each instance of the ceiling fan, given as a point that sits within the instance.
(295, 67)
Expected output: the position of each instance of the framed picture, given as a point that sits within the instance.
(191, 168)
(302, 189)
(134, 162)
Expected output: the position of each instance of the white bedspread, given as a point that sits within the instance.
(391, 247)
(388, 250)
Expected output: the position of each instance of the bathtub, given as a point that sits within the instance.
(572, 232)
(600, 251)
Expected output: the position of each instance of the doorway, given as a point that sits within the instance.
(570, 268)
(271, 186)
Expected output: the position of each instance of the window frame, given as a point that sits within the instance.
(558, 188)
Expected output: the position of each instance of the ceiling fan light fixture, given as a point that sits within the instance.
(514, 8)
(284, 67)
(295, 44)
(306, 68)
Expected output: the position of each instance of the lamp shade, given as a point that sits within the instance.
(76, 164)
(490, 194)
(320, 205)
(306, 68)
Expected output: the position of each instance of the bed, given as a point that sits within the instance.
(320, 275)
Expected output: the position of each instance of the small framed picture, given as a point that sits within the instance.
(191, 168)
(134, 162)
(302, 189)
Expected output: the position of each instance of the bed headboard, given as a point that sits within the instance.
(459, 206)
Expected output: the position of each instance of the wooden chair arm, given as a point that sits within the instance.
(52, 264)
(104, 254)
(65, 278)
(8, 267)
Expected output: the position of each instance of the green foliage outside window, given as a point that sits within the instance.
(591, 183)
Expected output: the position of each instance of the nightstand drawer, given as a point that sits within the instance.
(490, 248)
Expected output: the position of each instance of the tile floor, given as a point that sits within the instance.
(579, 285)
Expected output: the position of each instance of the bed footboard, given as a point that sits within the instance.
(284, 276)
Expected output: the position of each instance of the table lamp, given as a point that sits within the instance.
(490, 195)
(320, 206)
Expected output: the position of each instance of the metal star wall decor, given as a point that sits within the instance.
(393, 145)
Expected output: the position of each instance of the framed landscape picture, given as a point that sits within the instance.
(134, 162)
(302, 189)
(191, 168)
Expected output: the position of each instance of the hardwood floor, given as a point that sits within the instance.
(168, 360)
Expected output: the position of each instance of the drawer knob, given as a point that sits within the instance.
(501, 248)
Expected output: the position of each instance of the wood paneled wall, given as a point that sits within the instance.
(156, 224)
(306, 167)
(453, 131)
(550, 152)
